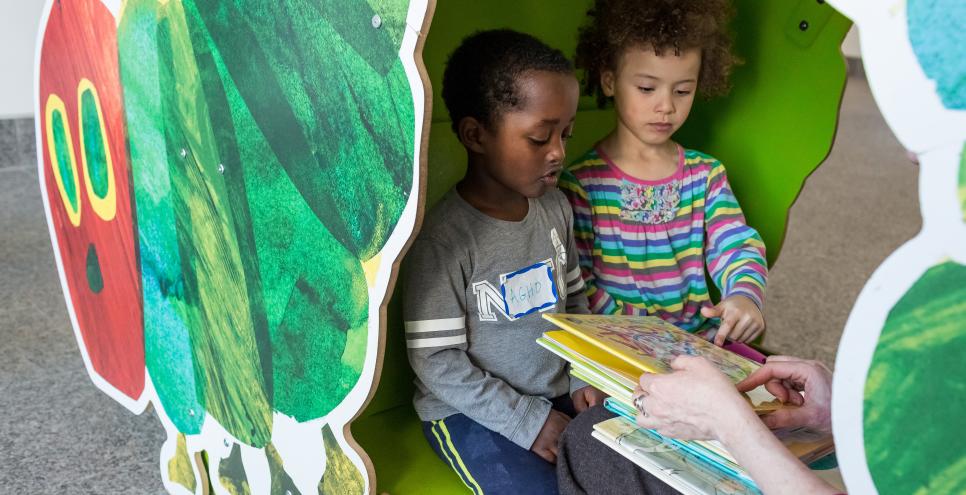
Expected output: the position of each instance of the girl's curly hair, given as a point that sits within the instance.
(678, 25)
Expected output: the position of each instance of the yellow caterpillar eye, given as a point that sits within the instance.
(63, 162)
(95, 152)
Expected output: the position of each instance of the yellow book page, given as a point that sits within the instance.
(591, 353)
(650, 344)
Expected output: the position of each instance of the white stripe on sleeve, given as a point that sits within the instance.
(573, 275)
(442, 325)
(436, 342)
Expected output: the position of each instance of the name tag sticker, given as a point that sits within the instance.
(529, 289)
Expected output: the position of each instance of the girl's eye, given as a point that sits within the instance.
(683, 92)
(645, 90)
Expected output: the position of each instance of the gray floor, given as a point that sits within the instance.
(58, 434)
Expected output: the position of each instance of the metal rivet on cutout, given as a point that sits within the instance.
(191, 412)
(288, 492)
(376, 21)
(221, 168)
(226, 442)
(184, 152)
(803, 25)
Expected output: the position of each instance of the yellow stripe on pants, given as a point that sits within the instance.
(442, 448)
(449, 441)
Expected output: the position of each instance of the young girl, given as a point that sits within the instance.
(492, 255)
(649, 214)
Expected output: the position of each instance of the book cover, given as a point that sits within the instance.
(649, 344)
(668, 462)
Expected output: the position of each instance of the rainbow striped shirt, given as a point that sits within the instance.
(643, 245)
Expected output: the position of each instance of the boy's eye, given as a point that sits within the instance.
(538, 141)
(567, 135)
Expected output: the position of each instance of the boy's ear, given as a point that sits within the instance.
(607, 82)
(470, 132)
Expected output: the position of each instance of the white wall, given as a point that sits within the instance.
(850, 46)
(19, 23)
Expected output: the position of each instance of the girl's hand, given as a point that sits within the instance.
(741, 319)
(587, 397)
(691, 403)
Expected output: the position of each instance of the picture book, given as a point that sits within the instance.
(679, 465)
(622, 347)
(678, 468)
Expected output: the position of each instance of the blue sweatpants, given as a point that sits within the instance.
(486, 461)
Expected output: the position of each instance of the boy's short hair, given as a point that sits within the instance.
(616, 25)
(480, 79)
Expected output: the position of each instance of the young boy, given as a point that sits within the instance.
(494, 254)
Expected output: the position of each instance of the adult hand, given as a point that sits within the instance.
(803, 383)
(689, 402)
(587, 397)
(545, 445)
(741, 319)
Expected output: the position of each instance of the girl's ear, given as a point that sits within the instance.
(607, 82)
(470, 132)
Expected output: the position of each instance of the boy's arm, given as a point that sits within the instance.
(436, 341)
(598, 300)
(734, 252)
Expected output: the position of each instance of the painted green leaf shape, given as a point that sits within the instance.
(314, 290)
(282, 483)
(229, 341)
(180, 467)
(340, 128)
(231, 473)
(341, 475)
(168, 353)
(915, 405)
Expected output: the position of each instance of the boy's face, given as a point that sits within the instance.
(653, 94)
(523, 150)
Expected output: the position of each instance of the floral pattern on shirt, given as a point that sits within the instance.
(650, 204)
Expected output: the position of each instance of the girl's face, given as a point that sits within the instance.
(653, 94)
(524, 150)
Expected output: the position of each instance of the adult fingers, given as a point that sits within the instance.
(644, 383)
(789, 417)
(681, 363)
(780, 358)
(758, 377)
(777, 389)
(775, 369)
(648, 421)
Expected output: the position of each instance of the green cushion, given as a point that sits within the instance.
(404, 461)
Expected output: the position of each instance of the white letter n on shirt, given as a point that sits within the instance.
(488, 298)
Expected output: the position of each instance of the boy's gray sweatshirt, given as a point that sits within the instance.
(475, 288)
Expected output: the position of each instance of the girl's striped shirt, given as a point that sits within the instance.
(643, 245)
